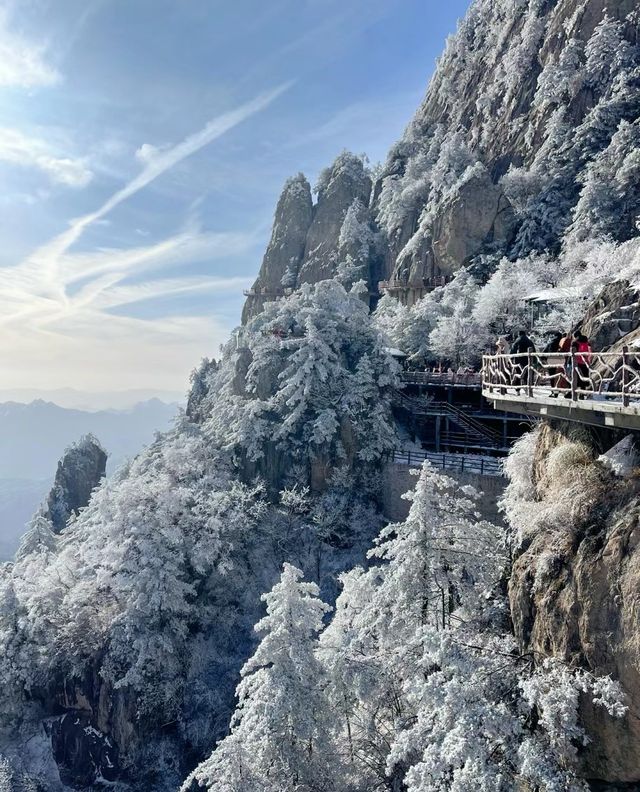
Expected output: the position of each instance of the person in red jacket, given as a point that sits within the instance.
(582, 356)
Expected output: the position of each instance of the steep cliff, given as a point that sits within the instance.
(574, 584)
(307, 238)
(529, 93)
(285, 252)
(527, 133)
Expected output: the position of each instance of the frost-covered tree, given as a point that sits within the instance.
(606, 53)
(281, 737)
(429, 689)
(355, 245)
(307, 357)
(374, 641)
(456, 336)
(609, 202)
(561, 78)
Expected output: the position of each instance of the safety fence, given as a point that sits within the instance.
(456, 463)
(602, 376)
(469, 379)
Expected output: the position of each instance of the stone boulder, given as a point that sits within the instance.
(79, 472)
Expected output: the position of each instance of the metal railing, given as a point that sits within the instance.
(424, 284)
(474, 430)
(264, 291)
(457, 463)
(602, 376)
(440, 378)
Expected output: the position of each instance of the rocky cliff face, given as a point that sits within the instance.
(574, 586)
(285, 252)
(305, 240)
(524, 105)
(613, 318)
(79, 472)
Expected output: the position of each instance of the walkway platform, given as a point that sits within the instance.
(599, 389)
(595, 412)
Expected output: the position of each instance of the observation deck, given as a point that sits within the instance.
(598, 388)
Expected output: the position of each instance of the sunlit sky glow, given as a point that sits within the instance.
(143, 145)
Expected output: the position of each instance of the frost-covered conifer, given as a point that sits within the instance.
(355, 244)
(280, 738)
(606, 52)
(304, 382)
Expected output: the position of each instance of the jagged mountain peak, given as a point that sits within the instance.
(79, 472)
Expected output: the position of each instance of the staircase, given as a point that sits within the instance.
(474, 434)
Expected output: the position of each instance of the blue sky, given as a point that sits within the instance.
(143, 145)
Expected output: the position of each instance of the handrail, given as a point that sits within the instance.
(460, 463)
(439, 378)
(429, 408)
(395, 284)
(265, 291)
(468, 421)
(609, 376)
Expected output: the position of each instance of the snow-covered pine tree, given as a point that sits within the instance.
(355, 244)
(301, 391)
(280, 738)
(429, 690)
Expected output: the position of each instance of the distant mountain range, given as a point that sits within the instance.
(35, 435)
(73, 399)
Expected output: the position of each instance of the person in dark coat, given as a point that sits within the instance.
(521, 346)
(553, 345)
(553, 366)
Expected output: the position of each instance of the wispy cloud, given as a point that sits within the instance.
(89, 283)
(22, 63)
(64, 300)
(49, 335)
(19, 149)
(160, 161)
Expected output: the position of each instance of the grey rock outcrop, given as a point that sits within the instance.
(79, 472)
(340, 185)
(476, 218)
(285, 252)
(441, 199)
(305, 241)
(574, 589)
(612, 316)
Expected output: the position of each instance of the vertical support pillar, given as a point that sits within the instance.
(438, 429)
(625, 376)
(574, 377)
(529, 374)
